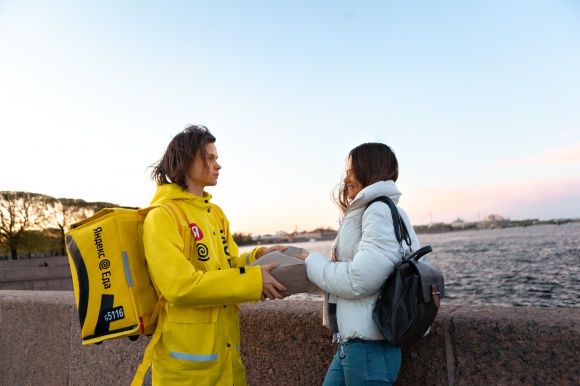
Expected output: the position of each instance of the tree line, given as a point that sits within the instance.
(243, 238)
(36, 223)
(32, 223)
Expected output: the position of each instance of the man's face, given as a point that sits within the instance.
(199, 177)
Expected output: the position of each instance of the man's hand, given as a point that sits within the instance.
(270, 249)
(271, 289)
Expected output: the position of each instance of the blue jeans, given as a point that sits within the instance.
(365, 362)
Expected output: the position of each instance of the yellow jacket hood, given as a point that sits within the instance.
(175, 192)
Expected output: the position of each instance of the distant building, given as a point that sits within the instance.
(493, 221)
(296, 237)
(269, 239)
(458, 224)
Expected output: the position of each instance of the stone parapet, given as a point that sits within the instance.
(283, 343)
(39, 274)
(35, 262)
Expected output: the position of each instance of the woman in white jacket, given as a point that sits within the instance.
(364, 254)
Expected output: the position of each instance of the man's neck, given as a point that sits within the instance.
(195, 190)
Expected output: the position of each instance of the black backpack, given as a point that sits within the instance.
(410, 298)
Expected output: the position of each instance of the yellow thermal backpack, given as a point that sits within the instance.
(113, 290)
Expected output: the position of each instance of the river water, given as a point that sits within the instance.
(535, 266)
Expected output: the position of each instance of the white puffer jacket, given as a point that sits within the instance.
(367, 251)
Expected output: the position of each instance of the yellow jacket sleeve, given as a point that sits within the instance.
(177, 279)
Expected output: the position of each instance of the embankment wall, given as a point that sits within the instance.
(283, 343)
(38, 274)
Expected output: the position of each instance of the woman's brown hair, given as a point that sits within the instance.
(180, 153)
(371, 162)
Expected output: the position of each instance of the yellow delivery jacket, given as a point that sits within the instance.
(200, 334)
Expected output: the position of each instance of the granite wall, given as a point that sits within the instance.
(38, 274)
(283, 343)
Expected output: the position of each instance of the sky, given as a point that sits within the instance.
(480, 101)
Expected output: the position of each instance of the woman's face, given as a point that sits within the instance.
(352, 184)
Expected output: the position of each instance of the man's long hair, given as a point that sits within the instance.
(180, 153)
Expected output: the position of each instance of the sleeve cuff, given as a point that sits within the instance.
(250, 257)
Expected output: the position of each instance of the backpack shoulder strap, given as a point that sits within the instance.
(401, 232)
(176, 211)
(148, 354)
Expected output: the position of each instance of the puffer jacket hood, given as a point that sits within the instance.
(381, 188)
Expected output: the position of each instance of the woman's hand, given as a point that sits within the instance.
(270, 249)
(271, 289)
(302, 256)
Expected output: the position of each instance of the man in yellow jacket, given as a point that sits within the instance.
(200, 334)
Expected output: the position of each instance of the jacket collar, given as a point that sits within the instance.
(175, 192)
(381, 188)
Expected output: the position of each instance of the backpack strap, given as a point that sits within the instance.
(176, 211)
(401, 231)
(148, 354)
